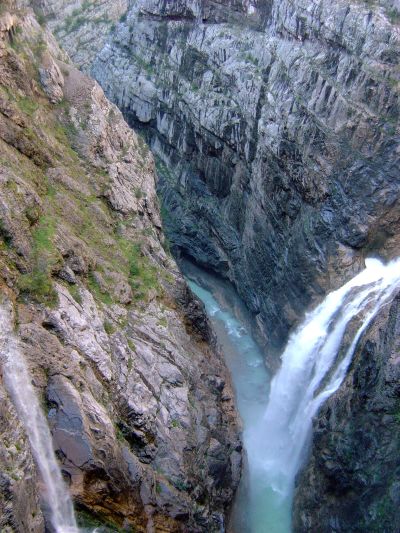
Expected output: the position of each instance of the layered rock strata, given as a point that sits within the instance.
(352, 481)
(137, 396)
(276, 126)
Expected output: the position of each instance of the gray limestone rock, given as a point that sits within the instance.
(351, 482)
(276, 128)
(113, 337)
(51, 79)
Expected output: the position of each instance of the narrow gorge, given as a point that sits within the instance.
(121, 355)
(157, 154)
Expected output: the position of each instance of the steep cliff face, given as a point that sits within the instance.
(276, 128)
(276, 125)
(82, 26)
(137, 398)
(351, 483)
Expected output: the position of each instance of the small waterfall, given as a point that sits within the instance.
(314, 365)
(19, 386)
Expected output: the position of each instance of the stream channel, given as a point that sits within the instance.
(258, 507)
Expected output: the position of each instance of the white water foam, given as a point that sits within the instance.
(313, 367)
(315, 362)
(19, 386)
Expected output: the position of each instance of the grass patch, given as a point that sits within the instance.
(180, 485)
(143, 65)
(73, 22)
(91, 522)
(27, 106)
(78, 18)
(41, 19)
(39, 286)
(132, 345)
(134, 261)
(142, 275)
(394, 16)
(163, 322)
(38, 283)
(138, 193)
(76, 295)
(108, 327)
(99, 293)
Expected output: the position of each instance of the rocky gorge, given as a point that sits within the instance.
(276, 127)
(275, 131)
(97, 302)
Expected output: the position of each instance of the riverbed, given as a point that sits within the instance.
(258, 507)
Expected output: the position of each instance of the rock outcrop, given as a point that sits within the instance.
(137, 396)
(82, 26)
(351, 483)
(276, 126)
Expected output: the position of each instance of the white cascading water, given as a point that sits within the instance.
(278, 426)
(19, 386)
(313, 366)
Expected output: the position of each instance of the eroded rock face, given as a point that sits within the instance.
(352, 480)
(276, 125)
(119, 350)
(85, 22)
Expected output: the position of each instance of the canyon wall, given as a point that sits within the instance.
(275, 126)
(276, 129)
(352, 481)
(121, 354)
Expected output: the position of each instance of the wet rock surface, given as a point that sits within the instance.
(19, 501)
(351, 482)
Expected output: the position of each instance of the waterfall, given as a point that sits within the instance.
(278, 425)
(19, 386)
(314, 365)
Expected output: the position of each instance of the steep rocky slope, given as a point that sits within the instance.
(137, 398)
(82, 26)
(352, 482)
(276, 128)
(276, 124)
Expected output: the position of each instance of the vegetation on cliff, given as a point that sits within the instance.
(118, 348)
